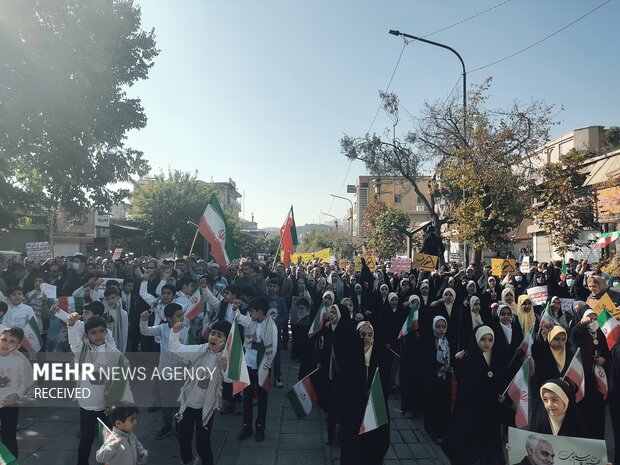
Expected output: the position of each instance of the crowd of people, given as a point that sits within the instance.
(451, 365)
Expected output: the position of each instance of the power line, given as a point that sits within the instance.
(541, 40)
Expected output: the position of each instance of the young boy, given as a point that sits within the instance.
(91, 309)
(39, 303)
(116, 317)
(279, 312)
(259, 330)
(168, 390)
(16, 380)
(18, 313)
(122, 447)
(92, 349)
(200, 397)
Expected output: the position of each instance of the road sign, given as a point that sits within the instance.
(351, 189)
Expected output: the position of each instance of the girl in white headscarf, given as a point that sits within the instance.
(411, 388)
(451, 311)
(437, 376)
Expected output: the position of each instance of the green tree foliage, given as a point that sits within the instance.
(562, 211)
(374, 208)
(163, 206)
(612, 137)
(318, 239)
(387, 238)
(65, 66)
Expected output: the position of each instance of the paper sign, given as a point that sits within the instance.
(297, 316)
(401, 265)
(525, 265)
(104, 282)
(322, 255)
(49, 290)
(424, 262)
(342, 263)
(538, 295)
(38, 250)
(501, 266)
(567, 305)
(117, 254)
(371, 262)
(606, 303)
(562, 450)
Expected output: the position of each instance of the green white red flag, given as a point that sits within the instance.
(318, 322)
(213, 227)
(264, 380)
(610, 328)
(195, 304)
(601, 380)
(71, 304)
(6, 458)
(119, 389)
(302, 397)
(576, 374)
(376, 410)
(606, 239)
(548, 317)
(518, 390)
(411, 323)
(237, 369)
(32, 341)
(288, 237)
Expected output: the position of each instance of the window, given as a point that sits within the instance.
(397, 198)
(420, 208)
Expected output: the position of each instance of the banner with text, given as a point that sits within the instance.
(424, 262)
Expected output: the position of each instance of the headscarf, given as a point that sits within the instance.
(556, 420)
(526, 319)
(367, 351)
(560, 310)
(471, 283)
(424, 284)
(476, 319)
(330, 293)
(481, 331)
(414, 298)
(602, 284)
(335, 307)
(450, 291)
(513, 305)
(592, 326)
(507, 329)
(443, 350)
(392, 295)
(558, 355)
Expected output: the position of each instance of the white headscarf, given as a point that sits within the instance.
(443, 350)
(592, 326)
(476, 319)
(392, 295)
(507, 329)
(450, 291)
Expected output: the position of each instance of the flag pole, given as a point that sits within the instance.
(513, 378)
(109, 431)
(193, 244)
(275, 259)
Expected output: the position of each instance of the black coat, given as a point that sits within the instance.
(438, 308)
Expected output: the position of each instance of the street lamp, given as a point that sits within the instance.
(335, 219)
(348, 200)
(402, 34)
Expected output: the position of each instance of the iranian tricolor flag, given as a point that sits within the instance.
(610, 328)
(195, 304)
(548, 317)
(71, 304)
(606, 239)
(376, 411)
(237, 369)
(302, 397)
(528, 340)
(212, 226)
(575, 374)
(318, 322)
(288, 237)
(104, 433)
(518, 390)
(264, 380)
(411, 323)
(119, 389)
(32, 341)
(6, 458)
(601, 380)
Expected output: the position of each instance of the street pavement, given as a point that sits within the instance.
(48, 436)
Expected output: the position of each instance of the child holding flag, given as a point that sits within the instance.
(16, 374)
(121, 447)
(18, 314)
(200, 397)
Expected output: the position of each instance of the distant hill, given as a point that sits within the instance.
(300, 229)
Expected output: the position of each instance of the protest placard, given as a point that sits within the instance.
(424, 262)
(525, 265)
(371, 262)
(501, 266)
(49, 290)
(567, 304)
(538, 295)
(528, 447)
(400, 265)
(342, 263)
(38, 250)
(117, 254)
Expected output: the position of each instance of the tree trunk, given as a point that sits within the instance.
(477, 260)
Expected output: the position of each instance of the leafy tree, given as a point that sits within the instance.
(387, 238)
(318, 239)
(612, 137)
(562, 211)
(64, 113)
(163, 206)
(374, 208)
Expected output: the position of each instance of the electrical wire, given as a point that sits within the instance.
(541, 40)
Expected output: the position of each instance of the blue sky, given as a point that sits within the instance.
(262, 92)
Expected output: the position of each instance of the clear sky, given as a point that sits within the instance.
(262, 91)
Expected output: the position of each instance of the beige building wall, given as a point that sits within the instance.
(393, 191)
